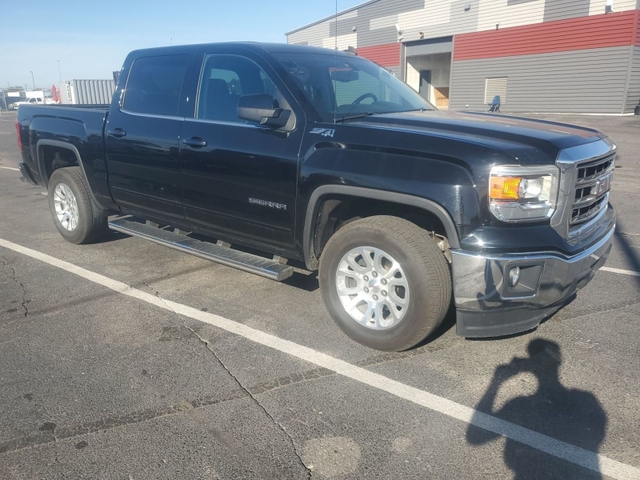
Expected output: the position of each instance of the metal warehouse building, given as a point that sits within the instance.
(566, 56)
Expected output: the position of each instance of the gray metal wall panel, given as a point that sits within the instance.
(343, 27)
(434, 18)
(429, 48)
(597, 7)
(380, 36)
(311, 36)
(566, 9)
(384, 8)
(460, 19)
(375, 21)
(330, 18)
(633, 95)
(585, 81)
(395, 71)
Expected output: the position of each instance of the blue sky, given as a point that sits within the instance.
(91, 38)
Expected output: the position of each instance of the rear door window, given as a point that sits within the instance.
(155, 84)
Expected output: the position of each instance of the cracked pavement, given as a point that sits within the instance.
(24, 300)
(94, 384)
(207, 345)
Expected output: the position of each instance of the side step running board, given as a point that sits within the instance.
(209, 251)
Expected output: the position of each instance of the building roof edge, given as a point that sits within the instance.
(332, 16)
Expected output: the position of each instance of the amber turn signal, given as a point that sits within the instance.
(505, 188)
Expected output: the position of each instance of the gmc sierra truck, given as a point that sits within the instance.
(273, 157)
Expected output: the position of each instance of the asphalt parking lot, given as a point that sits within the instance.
(124, 359)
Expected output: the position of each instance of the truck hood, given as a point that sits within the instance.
(523, 137)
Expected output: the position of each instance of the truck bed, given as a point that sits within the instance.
(82, 125)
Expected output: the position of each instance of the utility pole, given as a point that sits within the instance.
(33, 80)
(59, 71)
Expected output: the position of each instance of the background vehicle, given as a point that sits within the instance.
(28, 101)
(328, 161)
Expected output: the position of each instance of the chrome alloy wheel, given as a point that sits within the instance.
(372, 288)
(66, 207)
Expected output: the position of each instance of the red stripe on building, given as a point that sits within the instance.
(386, 55)
(597, 31)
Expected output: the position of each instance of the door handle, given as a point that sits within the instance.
(118, 133)
(196, 142)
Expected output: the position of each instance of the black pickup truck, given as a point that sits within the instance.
(274, 157)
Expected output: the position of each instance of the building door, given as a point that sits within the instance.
(425, 84)
(428, 69)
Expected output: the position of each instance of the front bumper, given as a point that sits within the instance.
(488, 306)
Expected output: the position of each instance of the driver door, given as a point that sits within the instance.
(239, 179)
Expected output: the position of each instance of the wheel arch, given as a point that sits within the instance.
(43, 168)
(320, 194)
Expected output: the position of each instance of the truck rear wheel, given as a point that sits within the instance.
(385, 282)
(76, 216)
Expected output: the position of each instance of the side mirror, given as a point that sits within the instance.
(261, 108)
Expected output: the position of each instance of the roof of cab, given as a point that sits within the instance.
(254, 46)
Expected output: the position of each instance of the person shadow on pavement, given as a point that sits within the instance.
(570, 415)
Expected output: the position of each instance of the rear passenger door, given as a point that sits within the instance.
(141, 136)
(240, 178)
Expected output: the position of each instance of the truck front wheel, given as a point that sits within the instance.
(78, 219)
(385, 282)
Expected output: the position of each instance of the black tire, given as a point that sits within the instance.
(92, 221)
(424, 265)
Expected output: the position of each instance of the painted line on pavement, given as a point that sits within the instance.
(621, 272)
(10, 168)
(576, 455)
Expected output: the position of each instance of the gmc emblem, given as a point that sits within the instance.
(603, 185)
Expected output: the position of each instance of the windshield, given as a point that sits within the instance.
(341, 87)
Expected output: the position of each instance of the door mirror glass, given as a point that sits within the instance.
(263, 109)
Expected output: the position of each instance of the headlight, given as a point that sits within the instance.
(523, 194)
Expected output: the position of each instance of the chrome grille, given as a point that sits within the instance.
(591, 189)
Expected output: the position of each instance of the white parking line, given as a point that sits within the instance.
(571, 453)
(10, 168)
(621, 272)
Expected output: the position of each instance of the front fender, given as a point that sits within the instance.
(402, 199)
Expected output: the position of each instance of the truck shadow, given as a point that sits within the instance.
(572, 416)
(308, 282)
(112, 237)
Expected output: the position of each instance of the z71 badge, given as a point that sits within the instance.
(325, 132)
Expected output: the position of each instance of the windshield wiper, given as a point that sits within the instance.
(412, 110)
(354, 116)
(368, 114)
